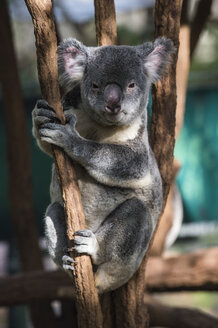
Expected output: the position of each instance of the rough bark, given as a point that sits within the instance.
(19, 166)
(177, 317)
(182, 71)
(162, 136)
(88, 306)
(105, 22)
(187, 46)
(196, 271)
(198, 23)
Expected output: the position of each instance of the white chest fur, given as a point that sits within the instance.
(89, 129)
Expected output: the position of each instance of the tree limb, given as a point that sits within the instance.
(186, 272)
(198, 23)
(162, 135)
(88, 307)
(105, 22)
(177, 317)
(194, 271)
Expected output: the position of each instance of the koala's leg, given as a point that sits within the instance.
(55, 232)
(125, 236)
(119, 244)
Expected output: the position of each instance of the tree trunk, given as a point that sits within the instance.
(19, 166)
(88, 307)
(201, 16)
(162, 136)
(188, 41)
(105, 22)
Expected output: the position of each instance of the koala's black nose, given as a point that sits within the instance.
(112, 98)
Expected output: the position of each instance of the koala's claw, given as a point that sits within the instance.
(68, 263)
(83, 233)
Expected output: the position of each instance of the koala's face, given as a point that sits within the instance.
(114, 85)
(115, 80)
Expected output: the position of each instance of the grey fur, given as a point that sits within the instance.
(117, 173)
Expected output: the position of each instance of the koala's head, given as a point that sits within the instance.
(114, 80)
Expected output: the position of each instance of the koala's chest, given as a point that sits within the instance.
(91, 130)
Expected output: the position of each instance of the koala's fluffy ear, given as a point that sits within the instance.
(157, 56)
(72, 58)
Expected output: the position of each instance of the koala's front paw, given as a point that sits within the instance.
(43, 113)
(86, 242)
(57, 134)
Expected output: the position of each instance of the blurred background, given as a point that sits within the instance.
(195, 201)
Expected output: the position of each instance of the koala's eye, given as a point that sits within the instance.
(95, 87)
(131, 86)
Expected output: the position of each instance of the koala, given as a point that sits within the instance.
(105, 96)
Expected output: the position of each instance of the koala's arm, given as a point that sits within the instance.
(111, 164)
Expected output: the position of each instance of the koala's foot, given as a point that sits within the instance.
(68, 263)
(85, 242)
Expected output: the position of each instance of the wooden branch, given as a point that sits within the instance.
(186, 272)
(162, 135)
(199, 21)
(26, 288)
(105, 22)
(177, 317)
(35, 286)
(88, 307)
(182, 71)
(19, 166)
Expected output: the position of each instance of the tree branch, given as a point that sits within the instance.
(162, 135)
(195, 271)
(46, 45)
(177, 317)
(35, 286)
(105, 22)
(187, 272)
(198, 23)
